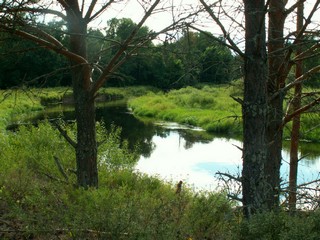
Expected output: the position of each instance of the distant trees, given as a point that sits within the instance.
(186, 60)
(23, 62)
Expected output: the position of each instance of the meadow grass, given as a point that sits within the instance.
(15, 105)
(210, 108)
(37, 201)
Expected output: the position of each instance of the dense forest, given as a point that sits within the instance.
(185, 59)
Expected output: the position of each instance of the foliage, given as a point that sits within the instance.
(280, 226)
(189, 60)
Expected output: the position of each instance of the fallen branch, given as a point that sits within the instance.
(65, 135)
(60, 167)
(55, 178)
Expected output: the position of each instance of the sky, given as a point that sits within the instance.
(167, 10)
(164, 15)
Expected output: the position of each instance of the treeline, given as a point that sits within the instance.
(181, 59)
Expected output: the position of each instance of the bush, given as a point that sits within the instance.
(280, 226)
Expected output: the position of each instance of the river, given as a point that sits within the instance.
(175, 152)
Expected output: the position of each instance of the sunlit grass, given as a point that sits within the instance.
(15, 105)
(211, 108)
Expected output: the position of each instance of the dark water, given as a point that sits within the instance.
(175, 152)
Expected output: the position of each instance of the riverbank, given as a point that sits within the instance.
(208, 107)
(211, 108)
(17, 105)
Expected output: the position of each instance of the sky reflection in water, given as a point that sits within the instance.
(197, 165)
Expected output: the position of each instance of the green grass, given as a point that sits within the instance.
(18, 105)
(37, 202)
(211, 108)
(15, 105)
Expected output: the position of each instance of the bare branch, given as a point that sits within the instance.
(45, 35)
(65, 135)
(287, 64)
(49, 45)
(37, 10)
(238, 100)
(88, 16)
(221, 26)
(299, 80)
(294, 6)
(54, 178)
(60, 167)
(237, 179)
(237, 50)
(113, 62)
(289, 117)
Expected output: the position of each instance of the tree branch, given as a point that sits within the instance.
(236, 49)
(224, 31)
(88, 16)
(299, 80)
(49, 45)
(286, 65)
(37, 10)
(237, 179)
(113, 62)
(290, 116)
(294, 6)
(65, 135)
(60, 167)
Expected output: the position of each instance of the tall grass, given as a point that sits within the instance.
(211, 108)
(15, 105)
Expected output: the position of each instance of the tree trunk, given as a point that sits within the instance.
(277, 18)
(254, 110)
(86, 147)
(296, 104)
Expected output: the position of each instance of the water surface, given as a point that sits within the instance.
(175, 152)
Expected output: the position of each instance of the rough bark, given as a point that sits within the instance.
(254, 110)
(296, 105)
(277, 18)
(86, 147)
